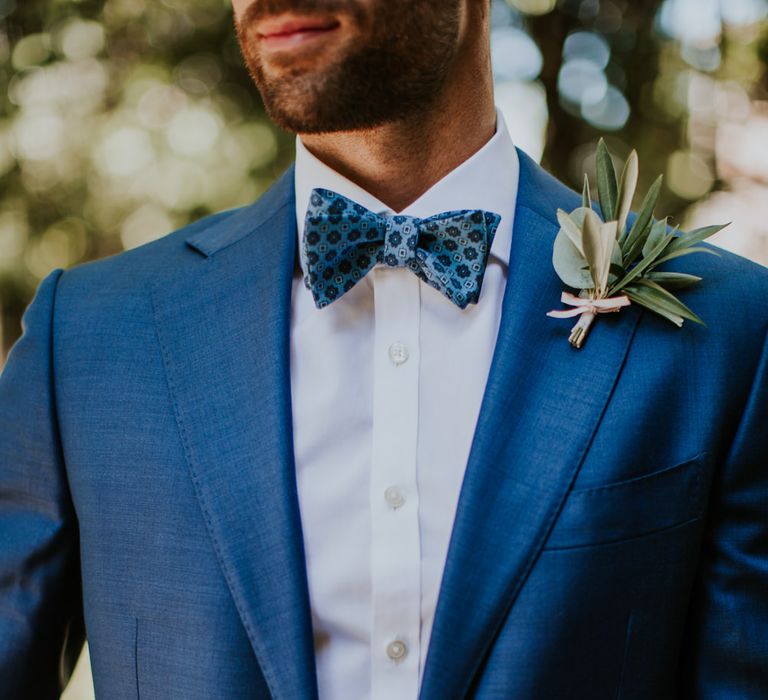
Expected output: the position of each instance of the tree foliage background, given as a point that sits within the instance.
(121, 120)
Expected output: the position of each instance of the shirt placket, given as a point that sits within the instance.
(395, 556)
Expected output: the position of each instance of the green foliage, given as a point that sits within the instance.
(600, 247)
(607, 187)
(123, 119)
(633, 245)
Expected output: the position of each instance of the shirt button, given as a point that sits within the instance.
(397, 650)
(398, 353)
(394, 497)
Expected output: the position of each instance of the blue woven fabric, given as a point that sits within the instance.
(343, 241)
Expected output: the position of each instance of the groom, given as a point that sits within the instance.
(309, 448)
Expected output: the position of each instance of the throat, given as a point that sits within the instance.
(397, 163)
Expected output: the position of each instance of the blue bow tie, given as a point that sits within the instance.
(343, 241)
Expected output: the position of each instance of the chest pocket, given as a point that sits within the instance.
(632, 508)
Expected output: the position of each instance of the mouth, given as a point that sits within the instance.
(292, 32)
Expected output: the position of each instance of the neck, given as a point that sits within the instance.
(398, 162)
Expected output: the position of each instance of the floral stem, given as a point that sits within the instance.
(581, 329)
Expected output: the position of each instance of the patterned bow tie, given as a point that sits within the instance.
(343, 241)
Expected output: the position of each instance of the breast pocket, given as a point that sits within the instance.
(639, 506)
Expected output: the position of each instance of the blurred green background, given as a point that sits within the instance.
(122, 120)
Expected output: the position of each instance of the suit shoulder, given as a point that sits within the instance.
(153, 261)
(734, 270)
(144, 264)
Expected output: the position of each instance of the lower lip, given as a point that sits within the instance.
(299, 39)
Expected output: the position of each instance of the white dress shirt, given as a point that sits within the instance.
(386, 388)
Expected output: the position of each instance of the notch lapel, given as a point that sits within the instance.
(542, 404)
(223, 324)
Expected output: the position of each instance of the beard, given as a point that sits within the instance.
(397, 65)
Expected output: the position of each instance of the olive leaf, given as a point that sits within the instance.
(686, 240)
(607, 187)
(604, 257)
(673, 280)
(659, 231)
(570, 261)
(586, 195)
(661, 242)
(650, 291)
(635, 240)
(640, 295)
(685, 251)
(598, 240)
(627, 188)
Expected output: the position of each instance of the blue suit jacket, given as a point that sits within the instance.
(611, 538)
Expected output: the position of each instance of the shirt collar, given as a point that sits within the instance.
(487, 180)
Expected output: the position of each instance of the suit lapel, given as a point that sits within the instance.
(542, 404)
(223, 324)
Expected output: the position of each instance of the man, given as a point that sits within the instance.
(252, 478)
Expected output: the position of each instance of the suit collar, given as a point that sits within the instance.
(276, 205)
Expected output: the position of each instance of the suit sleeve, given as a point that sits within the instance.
(725, 649)
(41, 622)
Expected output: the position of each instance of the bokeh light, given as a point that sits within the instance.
(132, 117)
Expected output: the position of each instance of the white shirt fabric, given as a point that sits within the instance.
(386, 388)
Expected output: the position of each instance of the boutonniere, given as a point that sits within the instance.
(613, 265)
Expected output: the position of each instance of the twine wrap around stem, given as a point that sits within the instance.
(586, 309)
